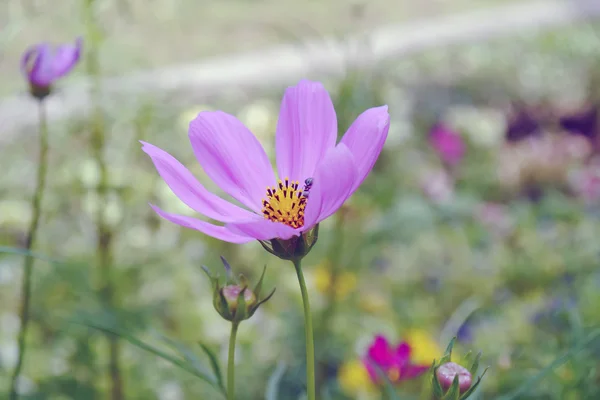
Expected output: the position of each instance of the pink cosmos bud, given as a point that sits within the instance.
(232, 293)
(447, 372)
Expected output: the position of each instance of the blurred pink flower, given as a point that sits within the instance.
(437, 186)
(395, 362)
(495, 217)
(308, 160)
(448, 144)
(585, 182)
(42, 65)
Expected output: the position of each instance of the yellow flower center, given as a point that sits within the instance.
(393, 374)
(285, 202)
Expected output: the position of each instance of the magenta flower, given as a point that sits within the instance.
(42, 65)
(316, 176)
(395, 362)
(447, 143)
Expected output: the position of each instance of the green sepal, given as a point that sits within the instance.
(230, 278)
(475, 365)
(253, 309)
(258, 286)
(448, 353)
(221, 305)
(294, 248)
(214, 279)
(438, 391)
(453, 392)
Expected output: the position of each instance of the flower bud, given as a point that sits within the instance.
(42, 65)
(451, 381)
(234, 301)
(447, 372)
(294, 248)
(232, 293)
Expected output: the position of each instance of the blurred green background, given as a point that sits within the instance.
(501, 249)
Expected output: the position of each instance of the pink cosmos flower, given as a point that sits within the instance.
(316, 175)
(42, 65)
(447, 143)
(395, 362)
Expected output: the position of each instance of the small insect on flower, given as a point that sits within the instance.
(307, 186)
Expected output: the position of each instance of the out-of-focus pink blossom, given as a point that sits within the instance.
(394, 361)
(495, 217)
(43, 64)
(447, 143)
(585, 182)
(437, 186)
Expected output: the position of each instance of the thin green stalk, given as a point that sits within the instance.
(308, 331)
(231, 362)
(334, 257)
(104, 235)
(36, 208)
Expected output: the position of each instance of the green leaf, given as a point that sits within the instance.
(214, 363)
(272, 391)
(533, 381)
(187, 354)
(155, 351)
(25, 252)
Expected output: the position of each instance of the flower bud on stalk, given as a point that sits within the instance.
(451, 381)
(235, 301)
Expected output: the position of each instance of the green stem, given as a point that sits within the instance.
(104, 234)
(308, 331)
(231, 362)
(334, 257)
(36, 208)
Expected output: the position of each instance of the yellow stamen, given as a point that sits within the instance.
(285, 203)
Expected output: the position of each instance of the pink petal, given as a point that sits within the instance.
(65, 57)
(306, 130)
(370, 366)
(191, 192)
(413, 371)
(381, 352)
(365, 139)
(207, 228)
(332, 185)
(232, 157)
(402, 356)
(39, 71)
(263, 230)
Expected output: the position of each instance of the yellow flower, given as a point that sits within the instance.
(344, 284)
(373, 303)
(354, 378)
(424, 349)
